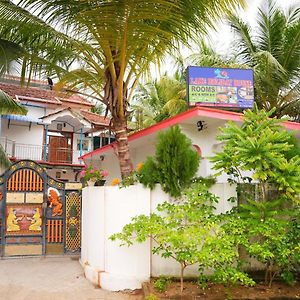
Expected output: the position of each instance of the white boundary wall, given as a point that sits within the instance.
(105, 210)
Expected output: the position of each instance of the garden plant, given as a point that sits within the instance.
(268, 152)
(174, 164)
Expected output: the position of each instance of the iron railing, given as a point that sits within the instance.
(39, 152)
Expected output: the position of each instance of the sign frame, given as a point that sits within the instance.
(225, 96)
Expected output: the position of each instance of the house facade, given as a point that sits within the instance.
(40, 193)
(57, 129)
(200, 124)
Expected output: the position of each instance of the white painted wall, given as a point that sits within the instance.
(105, 210)
(205, 139)
(23, 135)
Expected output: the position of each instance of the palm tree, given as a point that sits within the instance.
(116, 40)
(158, 100)
(207, 56)
(272, 49)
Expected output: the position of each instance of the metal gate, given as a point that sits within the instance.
(37, 215)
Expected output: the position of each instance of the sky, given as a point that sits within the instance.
(223, 37)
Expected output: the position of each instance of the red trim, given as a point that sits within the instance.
(196, 111)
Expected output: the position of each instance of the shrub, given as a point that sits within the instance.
(161, 284)
(174, 165)
(151, 297)
(271, 154)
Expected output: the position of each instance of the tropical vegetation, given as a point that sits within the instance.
(158, 100)
(272, 50)
(8, 52)
(174, 164)
(263, 224)
(114, 43)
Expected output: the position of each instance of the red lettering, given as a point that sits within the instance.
(198, 80)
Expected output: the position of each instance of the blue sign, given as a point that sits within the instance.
(220, 87)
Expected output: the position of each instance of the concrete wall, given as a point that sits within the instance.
(105, 210)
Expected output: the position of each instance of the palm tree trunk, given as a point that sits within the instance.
(119, 120)
(120, 129)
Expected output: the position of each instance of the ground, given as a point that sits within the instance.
(51, 278)
(192, 291)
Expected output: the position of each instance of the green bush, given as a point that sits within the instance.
(174, 165)
(161, 284)
(189, 232)
(268, 217)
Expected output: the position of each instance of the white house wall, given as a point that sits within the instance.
(23, 135)
(35, 111)
(205, 139)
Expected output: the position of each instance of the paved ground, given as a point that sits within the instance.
(50, 279)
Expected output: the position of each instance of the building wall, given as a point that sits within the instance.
(64, 174)
(205, 139)
(23, 135)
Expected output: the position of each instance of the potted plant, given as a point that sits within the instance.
(92, 176)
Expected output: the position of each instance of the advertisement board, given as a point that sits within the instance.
(220, 87)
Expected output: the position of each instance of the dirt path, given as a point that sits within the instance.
(50, 279)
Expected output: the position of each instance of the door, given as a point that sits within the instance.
(58, 149)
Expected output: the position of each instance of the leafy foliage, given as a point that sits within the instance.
(174, 165)
(8, 106)
(262, 146)
(158, 100)
(272, 50)
(161, 283)
(188, 232)
(267, 212)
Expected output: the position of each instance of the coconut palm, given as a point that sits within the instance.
(207, 56)
(272, 49)
(34, 47)
(116, 40)
(158, 100)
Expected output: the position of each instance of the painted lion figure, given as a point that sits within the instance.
(54, 202)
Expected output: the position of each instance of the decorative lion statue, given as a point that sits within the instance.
(54, 202)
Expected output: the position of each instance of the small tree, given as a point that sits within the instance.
(174, 165)
(263, 147)
(188, 232)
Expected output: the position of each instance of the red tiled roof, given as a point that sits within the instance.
(35, 94)
(32, 92)
(92, 118)
(95, 118)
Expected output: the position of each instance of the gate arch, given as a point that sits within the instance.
(32, 211)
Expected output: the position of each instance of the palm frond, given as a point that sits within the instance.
(10, 106)
(4, 161)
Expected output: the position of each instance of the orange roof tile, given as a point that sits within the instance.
(35, 94)
(95, 118)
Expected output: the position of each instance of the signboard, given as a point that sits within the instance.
(220, 87)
